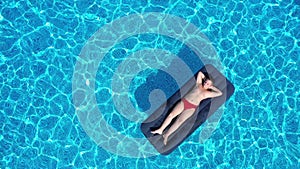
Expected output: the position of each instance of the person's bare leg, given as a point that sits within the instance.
(176, 111)
(182, 118)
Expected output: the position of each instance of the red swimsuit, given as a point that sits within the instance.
(188, 105)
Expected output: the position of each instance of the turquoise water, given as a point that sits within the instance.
(258, 46)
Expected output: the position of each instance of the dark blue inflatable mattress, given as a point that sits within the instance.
(205, 109)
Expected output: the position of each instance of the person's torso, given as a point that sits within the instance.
(196, 94)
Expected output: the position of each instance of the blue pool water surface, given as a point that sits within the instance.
(257, 42)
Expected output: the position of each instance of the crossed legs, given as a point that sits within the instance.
(178, 110)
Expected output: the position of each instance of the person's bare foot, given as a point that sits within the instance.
(165, 139)
(157, 132)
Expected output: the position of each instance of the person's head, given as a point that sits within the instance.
(207, 82)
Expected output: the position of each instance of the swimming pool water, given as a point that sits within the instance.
(257, 43)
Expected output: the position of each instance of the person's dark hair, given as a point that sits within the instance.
(206, 77)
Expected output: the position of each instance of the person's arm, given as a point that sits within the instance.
(200, 77)
(215, 93)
